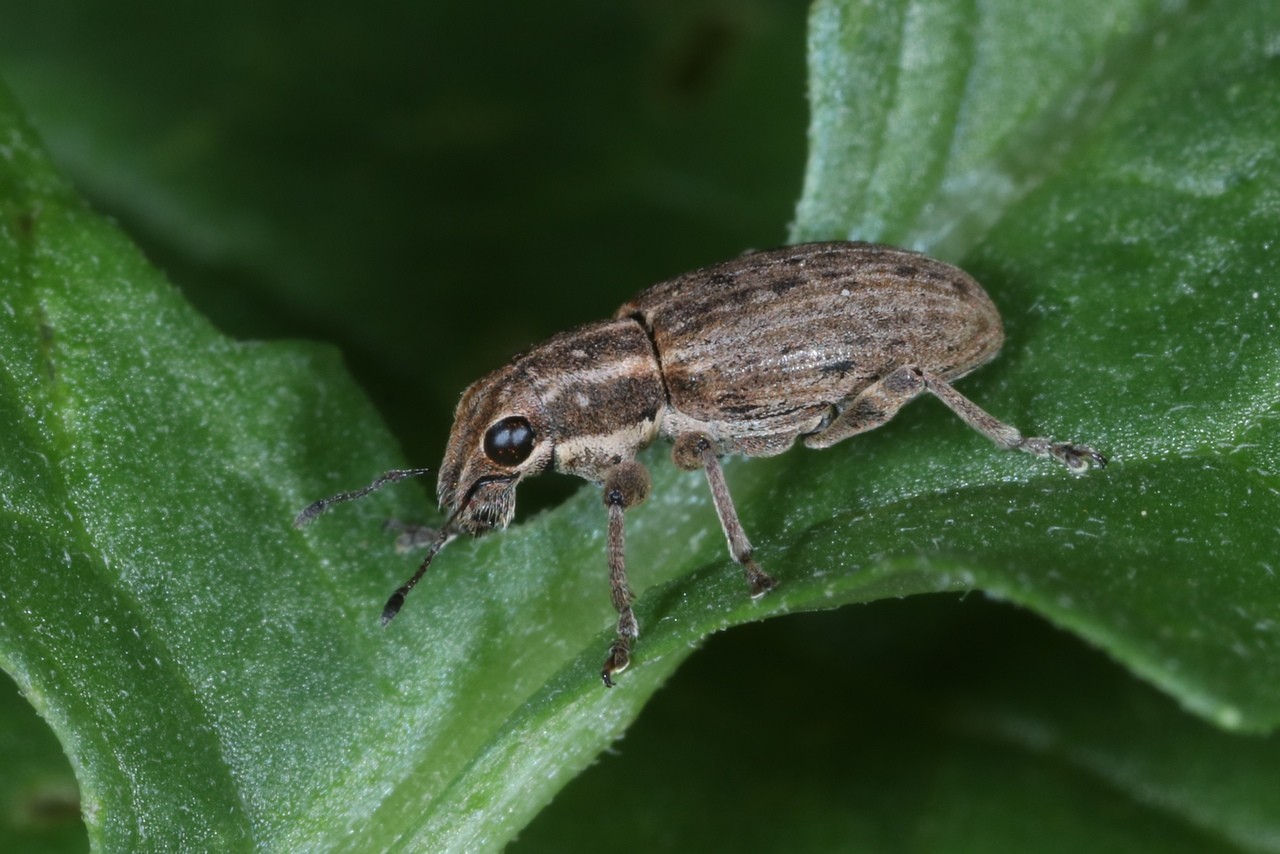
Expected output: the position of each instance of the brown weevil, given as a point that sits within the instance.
(816, 342)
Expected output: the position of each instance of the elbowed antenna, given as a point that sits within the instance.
(317, 507)
(443, 536)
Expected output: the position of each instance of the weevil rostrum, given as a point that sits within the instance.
(815, 342)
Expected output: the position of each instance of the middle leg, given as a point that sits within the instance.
(695, 450)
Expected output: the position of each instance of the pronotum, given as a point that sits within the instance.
(816, 342)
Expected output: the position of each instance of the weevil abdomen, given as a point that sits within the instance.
(763, 349)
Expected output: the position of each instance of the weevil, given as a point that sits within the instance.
(815, 342)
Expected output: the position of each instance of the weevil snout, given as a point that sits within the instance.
(489, 502)
(498, 437)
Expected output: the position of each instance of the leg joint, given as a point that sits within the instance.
(626, 485)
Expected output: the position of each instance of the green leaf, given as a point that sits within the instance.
(974, 728)
(1131, 263)
(219, 680)
(265, 641)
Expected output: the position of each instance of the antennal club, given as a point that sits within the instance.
(396, 602)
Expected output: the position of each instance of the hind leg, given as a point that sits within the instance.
(1077, 458)
(875, 406)
(881, 400)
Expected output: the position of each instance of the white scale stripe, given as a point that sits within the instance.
(597, 374)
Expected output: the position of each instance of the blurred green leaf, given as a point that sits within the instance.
(960, 726)
(219, 680)
(38, 793)
(372, 176)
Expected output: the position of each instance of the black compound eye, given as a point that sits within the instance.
(509, 442)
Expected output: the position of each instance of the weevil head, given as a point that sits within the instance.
(499, 436)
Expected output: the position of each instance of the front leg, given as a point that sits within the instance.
(625, 486)
(695, 450)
